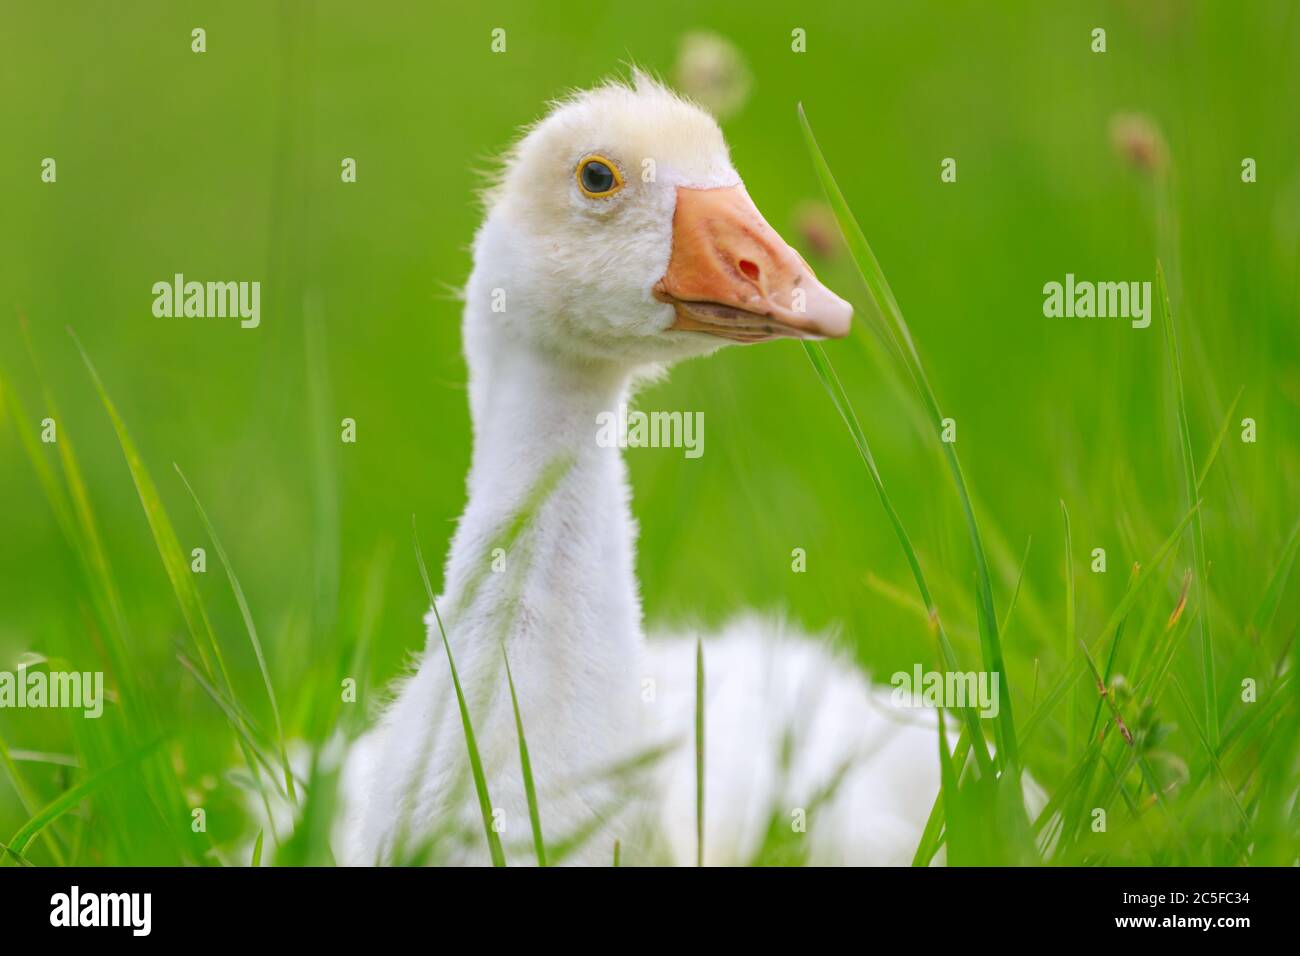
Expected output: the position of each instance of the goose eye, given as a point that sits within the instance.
(598, 177)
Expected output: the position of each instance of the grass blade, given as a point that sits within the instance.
(169, 549)
(526, 767)
(1071, 715)
(70, 798)
(1103, 686)
(1104, 694)
(49, 481)
(246, 732)
(1198, 533)
(932, 836)
(248, 625)
(309, 844)
(1015, 592)
(1074, 670)
(826, 373)
(6, 850)
(1218, 441)
(511, 534)
(869, 268)
(76, 516)
(1212, 756)
(26, 799)
(475, 763)
(1263, 615)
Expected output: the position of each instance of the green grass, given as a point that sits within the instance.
(526, 770)
(925, 558)
(1071, 734)
(251, 628)
(66, 801)
(904, 348)
(471, 745)
(1192, 492)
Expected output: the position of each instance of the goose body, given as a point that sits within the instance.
(619, 240)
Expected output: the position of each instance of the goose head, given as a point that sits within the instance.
(620, 230)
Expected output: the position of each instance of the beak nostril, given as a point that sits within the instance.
(750, 269)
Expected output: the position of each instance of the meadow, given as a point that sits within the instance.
(1070, 434)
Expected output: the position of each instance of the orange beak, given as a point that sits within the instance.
(731, 275)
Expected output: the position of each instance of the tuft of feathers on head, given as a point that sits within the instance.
(639, 83)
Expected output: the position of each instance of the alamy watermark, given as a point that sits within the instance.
(950, 689)
(636, 429)
(209, 300)
(1100, 300)
(133, 911)
(38, 689)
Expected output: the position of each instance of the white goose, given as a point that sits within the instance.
(619, 239)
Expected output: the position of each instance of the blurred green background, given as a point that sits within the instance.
(225, 165)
